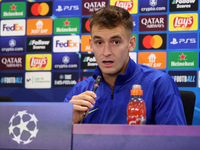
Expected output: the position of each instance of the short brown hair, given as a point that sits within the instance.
(111, 17)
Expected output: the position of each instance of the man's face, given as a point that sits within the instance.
(111, 48)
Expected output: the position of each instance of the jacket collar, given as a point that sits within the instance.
(121, 78)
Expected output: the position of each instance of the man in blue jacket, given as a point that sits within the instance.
(111, 41)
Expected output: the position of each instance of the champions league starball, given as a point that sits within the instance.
(23, 127)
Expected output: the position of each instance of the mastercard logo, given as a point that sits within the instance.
(40, 9)
(154, 41)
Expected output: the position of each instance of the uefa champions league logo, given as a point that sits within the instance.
(152, 3)
(23, 127)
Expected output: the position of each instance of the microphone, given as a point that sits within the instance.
(96, 85)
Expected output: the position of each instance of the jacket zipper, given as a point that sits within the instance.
(112, 94)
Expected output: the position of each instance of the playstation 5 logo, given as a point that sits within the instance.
(174, 41)
(153, 3)
(59, 9)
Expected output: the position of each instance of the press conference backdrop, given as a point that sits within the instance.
(44, 45)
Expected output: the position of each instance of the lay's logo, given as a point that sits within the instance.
(130, 5)
(38, 62)
(182, 22)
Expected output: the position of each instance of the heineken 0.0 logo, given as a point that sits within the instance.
(182, 59)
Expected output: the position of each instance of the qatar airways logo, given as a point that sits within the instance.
(183, 22)
(38, 62)
(128, 5)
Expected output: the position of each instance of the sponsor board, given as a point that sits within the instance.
(38, 62)
(39, 44)
(184, 78)
(38, 80)
(11, 80)
(199, 79)
(130, 5)
(66, 43)
(85, 75)
(135, 23)
(13, 27)
(183, 22)
(12, 44)
(85, 46)
(88, 61)
(133, 55)
(65, 79)
(39, 9)
(183, 5)
(153, 23)
(39, 26)
(135, 35)
(153, 59)
(67, 8)
(13, 10)
(66, 25)
(152, 41)
(65, 61)
(147, 6)
(85, 25)
(182, 60)
(182, 40)
(88, 6)
(12, 62)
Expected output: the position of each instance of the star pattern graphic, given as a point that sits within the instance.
(182, 56)
(66, 23)
(13, 7)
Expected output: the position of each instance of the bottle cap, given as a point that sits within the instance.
(137, 90)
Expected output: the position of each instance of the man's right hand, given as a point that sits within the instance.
(81, 103)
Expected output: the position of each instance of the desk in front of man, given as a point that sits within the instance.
(151, 137)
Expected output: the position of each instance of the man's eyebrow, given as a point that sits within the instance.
(113, 37)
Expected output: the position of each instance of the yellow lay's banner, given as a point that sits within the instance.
(183, 22)
(130, 5)
(38, 61)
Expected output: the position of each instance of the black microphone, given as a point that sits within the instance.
(96, 85)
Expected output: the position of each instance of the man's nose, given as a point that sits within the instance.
(107, 50)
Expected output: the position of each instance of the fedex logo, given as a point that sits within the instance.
(15, 27)
(66, 43)
(12, 27)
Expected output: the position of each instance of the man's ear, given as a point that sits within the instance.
(90, 42)
(132, 44)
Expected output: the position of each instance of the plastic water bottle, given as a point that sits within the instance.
(136, 109)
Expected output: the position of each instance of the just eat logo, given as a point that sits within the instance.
(13, 27)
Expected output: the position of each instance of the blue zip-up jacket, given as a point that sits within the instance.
(160, 93)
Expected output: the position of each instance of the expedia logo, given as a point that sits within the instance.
(88, 61)
(39, 9)
(128, 5)
(152, 41)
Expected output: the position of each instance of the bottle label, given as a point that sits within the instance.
(137, 121)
